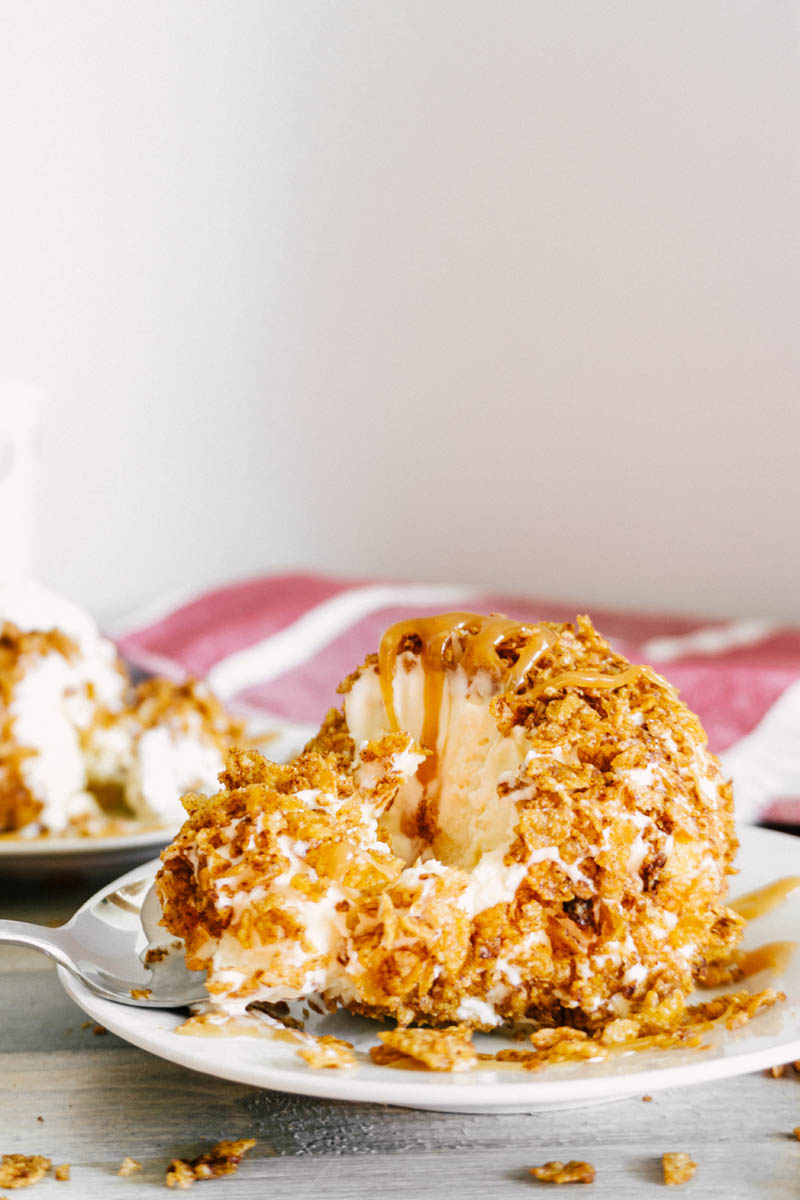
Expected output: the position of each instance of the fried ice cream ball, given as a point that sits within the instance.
(504, 823)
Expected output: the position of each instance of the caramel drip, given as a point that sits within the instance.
(764, 899)
(775, 956)
(589, 679)
(478, 651)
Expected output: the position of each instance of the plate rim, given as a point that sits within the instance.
(48, 847)
(454, 1092)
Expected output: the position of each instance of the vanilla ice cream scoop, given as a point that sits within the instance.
(75, 736)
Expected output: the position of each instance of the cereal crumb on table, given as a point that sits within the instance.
(558, 1172)
(61, 1172)
(678, 1168)
(99, 1030)
(796, 1132)
(22, 1170)
(222, 1159)
(129, 1166)
(328, 1052)
(647, 1099)
(179, 1174)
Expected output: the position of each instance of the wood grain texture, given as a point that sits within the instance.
(101, 1100)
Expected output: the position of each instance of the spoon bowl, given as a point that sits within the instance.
(115, 945)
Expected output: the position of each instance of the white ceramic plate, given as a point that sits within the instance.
(772, 1037)
(58, 857)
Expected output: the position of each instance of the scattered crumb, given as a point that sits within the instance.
(558, 1172)
(647, 1099)
(180, 1174)
(796, 1132)
(222, 1159)
(61, 1172)
(678, 1168)
(328, 1052)
(22, 1170)
(40, 1119)
(775, 1072)
(85, 1024)
(140, 994)
(437, 1049)
(129, 1166)
(99, 1030)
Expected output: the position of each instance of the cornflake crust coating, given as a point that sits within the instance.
(81, 751)
(504, 823)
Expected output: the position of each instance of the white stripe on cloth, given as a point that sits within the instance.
(708, 641)
(765, 764)
(318, 627)
(153, 611)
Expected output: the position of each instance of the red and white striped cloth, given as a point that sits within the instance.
(278, 645)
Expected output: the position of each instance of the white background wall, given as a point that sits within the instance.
(492, 291)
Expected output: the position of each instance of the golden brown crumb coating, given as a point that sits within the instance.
(550, 844)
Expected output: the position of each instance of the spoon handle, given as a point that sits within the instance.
(35, 937)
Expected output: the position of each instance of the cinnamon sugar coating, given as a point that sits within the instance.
(549, 845)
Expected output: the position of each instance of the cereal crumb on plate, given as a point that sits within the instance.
(436, 1049)
(325, 1052)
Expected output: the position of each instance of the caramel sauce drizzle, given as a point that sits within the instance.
(764, 899)
(479, 652)
(774, 956)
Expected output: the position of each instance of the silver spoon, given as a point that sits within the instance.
(105, 945)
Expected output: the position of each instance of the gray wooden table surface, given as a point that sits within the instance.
(91, 1100)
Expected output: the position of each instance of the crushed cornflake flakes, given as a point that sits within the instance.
(646, 1032)
(61, 1172)
(325, 1052)
(678, 1168)
(621, 762)
(22, 1170)
(436, 1049)
(796, 1132)
(141, 993)
(570, 1172)
(777, 1072)
(99, 1030)
(129, 1166)
(222, 1159)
